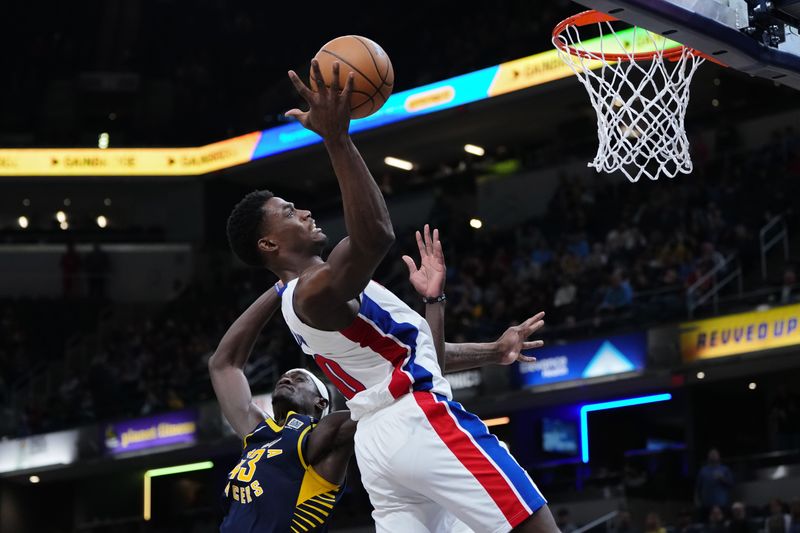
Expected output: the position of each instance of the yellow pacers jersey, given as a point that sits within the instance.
(272, 489)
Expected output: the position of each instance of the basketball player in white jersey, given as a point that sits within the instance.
(423, 458)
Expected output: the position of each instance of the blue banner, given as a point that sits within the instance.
(583, 360)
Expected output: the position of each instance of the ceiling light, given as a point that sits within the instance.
(102, 141)
(102, 221)
(752, 385)
(34, 479)
(64, 225)
(475, 223)
(61, 216)
(398, 163)
(474, 150)
(701, 375)
(501, 421)
(23, 222)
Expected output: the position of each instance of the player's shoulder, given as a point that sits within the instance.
(299, 421)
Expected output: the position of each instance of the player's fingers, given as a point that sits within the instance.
(348, 87)
(536, 326)
(532, 345)
(301, 88)
(296, 113)
(318, 77)
(420, 244)
(335, 80)
(535, 318)
(412, 267)
(437, 247)
(428, 239)
(526, 359)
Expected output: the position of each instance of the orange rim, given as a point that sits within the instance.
(591, 16)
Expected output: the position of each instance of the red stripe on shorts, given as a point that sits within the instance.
(368, 336)
(471, 457)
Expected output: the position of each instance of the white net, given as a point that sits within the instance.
(638, 83)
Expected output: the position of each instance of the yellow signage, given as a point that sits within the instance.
(128, 162)
(434, 97)
(530, 71)
(742, 333)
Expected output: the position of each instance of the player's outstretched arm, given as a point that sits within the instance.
(226, 366)
(505, 350)
(370, 235)
(428, 280)
(330, 446)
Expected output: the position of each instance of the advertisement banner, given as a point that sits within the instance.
(49, 449)
(179, 427)
(584, 360)
(536, 69)
(740, 333)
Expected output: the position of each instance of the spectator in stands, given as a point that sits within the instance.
(97, 269)
(619, 295)
(564, 521)
(70, 270)
(652, 524)
(778, 521)
(738, 522)
(686, 523)
(714, 483)
(623, 523)
(794, 513)
(716, 520)
(784, 418)
(789, 289)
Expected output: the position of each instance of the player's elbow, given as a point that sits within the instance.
(384, 238)
(218, 361)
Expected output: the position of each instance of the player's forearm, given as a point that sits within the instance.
(236, 345)
(434, 315)
(466, 355)
(365, 213)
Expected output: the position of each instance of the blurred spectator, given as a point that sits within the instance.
(70, 270)
(686, 524)
(619, 295)
(716, 520)
(794, 513)
(622, 523)
(778, 521)
(714, 483)
(652, 524)
(789, 290)
(738, 522)
(564, 521)
(784, 419)
(98, 266)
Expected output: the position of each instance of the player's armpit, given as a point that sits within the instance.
(330, 446)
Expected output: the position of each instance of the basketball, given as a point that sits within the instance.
(374, 75)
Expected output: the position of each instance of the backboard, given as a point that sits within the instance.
(758, 37)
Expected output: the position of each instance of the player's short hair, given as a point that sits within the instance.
(245, 225)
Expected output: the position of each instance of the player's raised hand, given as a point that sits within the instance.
(515, 339)
(429, 278)
(329, 107)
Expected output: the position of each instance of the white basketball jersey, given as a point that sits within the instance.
(386, 352)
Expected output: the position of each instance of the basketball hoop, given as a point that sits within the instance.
(640, 93)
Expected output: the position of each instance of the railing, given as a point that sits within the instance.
(718, 277)
(597, 522)
(767, 243)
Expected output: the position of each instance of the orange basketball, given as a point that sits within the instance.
(374, 75)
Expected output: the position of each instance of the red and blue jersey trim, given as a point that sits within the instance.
(376, 329)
